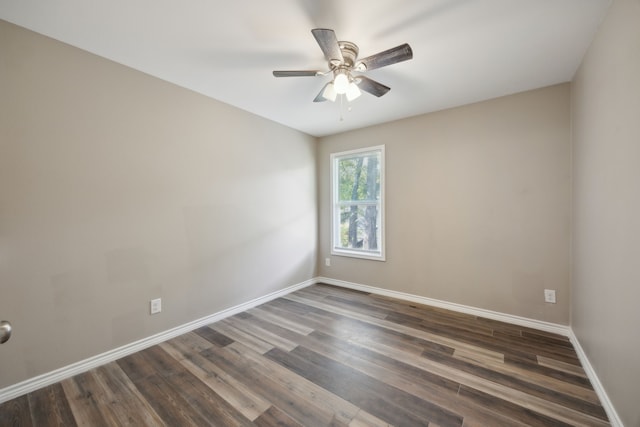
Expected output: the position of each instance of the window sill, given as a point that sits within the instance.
(373, 256)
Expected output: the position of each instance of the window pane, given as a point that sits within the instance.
(359, 177)
(357, 193)
(359, 227)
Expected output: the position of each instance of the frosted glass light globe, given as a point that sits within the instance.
(341, 83)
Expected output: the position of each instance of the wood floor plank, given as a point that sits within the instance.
(421, 384)
(479, 356)
(438, 315)
(16, 412)
(515, 396)
(191, 342)
(168, 403)
(517, 330)
(136, 366)
(213, 336)
(237, 394)
(377, 398)
(497, 342)
(259, 331)
(553, 390)
(283, 322)
(291, 311)
(87, 401)
(124, 399)
(49, 407)
(534, 369)
(406, 330)
(273, 327)
(425, 311)
(515, 412)
(551, 340)
(561, 366)
(378, 366)
(227, 328)
(172, 408)
(357, 306)
(327, 291)
(276, 417)
(330, 356)
(460, 339)
(365, 419)
(401, 376)
(204, 400)
(440, 322)
(347, 328)
(292, 307)
(538, 346)
(301, 399)
(342, 410)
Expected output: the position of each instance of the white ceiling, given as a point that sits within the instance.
(464, 50)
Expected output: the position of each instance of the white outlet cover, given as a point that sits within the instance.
(550, 296)
(156, 305)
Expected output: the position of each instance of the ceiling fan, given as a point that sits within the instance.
(346, 67)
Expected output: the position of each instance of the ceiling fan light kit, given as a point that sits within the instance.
(352, 92)
(341, 57)
(329, 92)
(341, 81)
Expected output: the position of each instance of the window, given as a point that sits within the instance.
(357, 192)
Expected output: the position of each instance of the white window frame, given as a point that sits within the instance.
(379, 255)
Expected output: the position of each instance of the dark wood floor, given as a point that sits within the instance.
(330, 356)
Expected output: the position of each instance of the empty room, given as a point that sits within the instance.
(314, 213)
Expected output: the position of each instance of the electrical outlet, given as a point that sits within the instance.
(327, 262)
(156, 305)
(550, 296)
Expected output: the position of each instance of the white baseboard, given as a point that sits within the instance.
(614, 418)
(494, 315)
(65, 372)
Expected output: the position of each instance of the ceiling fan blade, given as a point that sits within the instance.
(309, 73)
(388, 57)
(372, 86)
(328, 43)
(297, 73)
(320, 97)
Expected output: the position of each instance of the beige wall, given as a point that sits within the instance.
(478, 205)
(606, 201)
(116, 187)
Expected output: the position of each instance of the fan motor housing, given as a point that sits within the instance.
(349, 53)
